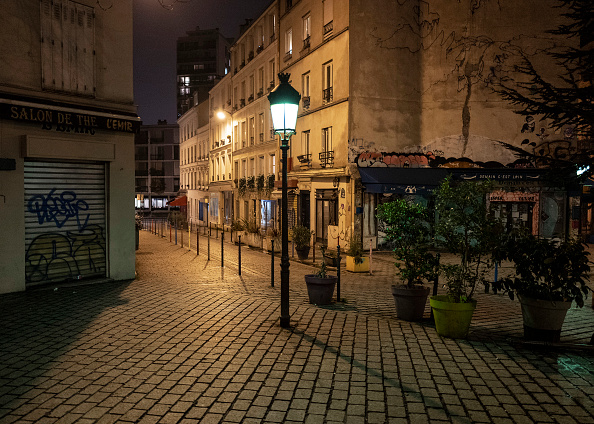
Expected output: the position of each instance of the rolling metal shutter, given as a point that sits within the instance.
(64, 221)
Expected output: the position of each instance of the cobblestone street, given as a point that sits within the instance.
(191, 341)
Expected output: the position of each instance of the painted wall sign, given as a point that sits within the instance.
(50, 119)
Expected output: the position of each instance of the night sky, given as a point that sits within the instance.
(155, 33)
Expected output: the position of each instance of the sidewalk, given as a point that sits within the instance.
(190, 341)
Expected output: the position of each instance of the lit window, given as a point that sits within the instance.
(289, 41)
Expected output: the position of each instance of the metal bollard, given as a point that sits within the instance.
(272, 265)
(176, 234)
(208, 244)
(239, 255)
(222, 249)
(338, 273)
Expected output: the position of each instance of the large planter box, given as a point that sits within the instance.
(267, 244)
(353, 267)
(253, 240)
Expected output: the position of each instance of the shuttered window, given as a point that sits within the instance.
(68, 46)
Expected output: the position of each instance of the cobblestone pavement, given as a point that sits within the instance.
(191, 341)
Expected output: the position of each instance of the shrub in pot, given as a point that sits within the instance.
(408, 228)
(355, 261)
(466, 228)
(329, 256)
(301, 238)
(320, 286)
(549, 276)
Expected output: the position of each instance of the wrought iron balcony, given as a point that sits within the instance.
(305, 159)
(328, 27)
(327, 95)
(327, 158)
(306, 42)
(305, 101)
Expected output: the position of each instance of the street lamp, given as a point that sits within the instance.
(284, 103)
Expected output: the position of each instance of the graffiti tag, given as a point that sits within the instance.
(58, 209)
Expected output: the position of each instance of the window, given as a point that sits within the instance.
(305, 90)
(184, 86)
(252, 130)
(261, 126)
(260, 81)
(327, 139)
(306, 30)
(251, 88)
(273, 161)
(243, 134)
(272, 27)
(327, 154)
(198, 67)
(289, 41)
(68, 47)
(305, 157)
(272, 75)
(328, 16)
(327, 94)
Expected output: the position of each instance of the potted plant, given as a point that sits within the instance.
(252, 232)
(549, 276)
(355, 261)
(301, 238)
(236, 230)
(320, 286)
(465, 228)
(409, 230)
(329, 256)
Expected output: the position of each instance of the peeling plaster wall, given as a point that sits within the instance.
(385, 81)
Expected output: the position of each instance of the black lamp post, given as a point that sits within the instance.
(284, 103)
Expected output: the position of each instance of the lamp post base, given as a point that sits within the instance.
(285, 322)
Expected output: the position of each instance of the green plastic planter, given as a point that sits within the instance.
(451, 319)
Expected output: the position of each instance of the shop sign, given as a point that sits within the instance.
(61, 121)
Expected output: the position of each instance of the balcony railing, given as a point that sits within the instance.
(305, 101)
(327, 95)
(328, 28)
(305, 159)
(306, 41)
(327, 158)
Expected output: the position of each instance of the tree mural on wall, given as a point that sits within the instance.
(566, 100)
(468, 62)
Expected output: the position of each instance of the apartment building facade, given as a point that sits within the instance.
(67, 125)
(194, 156)
(254, 60)
(393, 99)
(157, 167)
(202, 60)
(399, 95)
